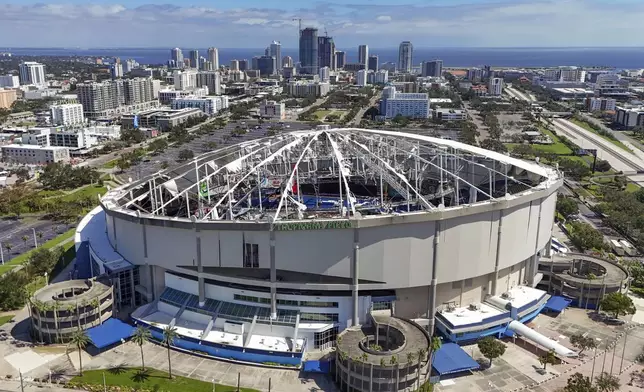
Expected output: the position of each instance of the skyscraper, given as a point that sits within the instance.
(275, 50)
(363, 54)
(432, 68)
(373, 63)
(194, 58)
(287, 61)
(405, 56)
(309, 51)
(266, 65)
(32, 73)
(326, 50)
(213, 58)
(340, 59)
(234, 65)
(243, 65)
(176, 55)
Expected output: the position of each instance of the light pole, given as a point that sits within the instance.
(33, 230)
(623, 352)
(1, 253)
(592, 372)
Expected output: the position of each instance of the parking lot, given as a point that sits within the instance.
(13, 230)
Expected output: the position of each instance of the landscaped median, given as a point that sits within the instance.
(589, 128)
(135, 379)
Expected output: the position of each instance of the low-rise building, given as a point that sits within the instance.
(413, 105)
(7, 98)
(449, 114)
(166, 96)
(479, 90)
(629, 117)
(301, 89)
(34, 155)
(272, 109)
(594, 104)
(382, 77)
(161, 119)
(67, 114)
(495, 87)
(208, 105)
(361, 77)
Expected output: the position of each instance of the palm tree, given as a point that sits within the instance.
(364, 357)
(607, 383)
(80, 339)
(24, 239)
(434, 346)
(169, 334)
(141, 335)
(55, 306)
(394, 363)
(96, 304)
(39, 235)
(421, 355)
(8, 246)
(410, 359)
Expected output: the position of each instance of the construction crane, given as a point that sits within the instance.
(299, 27)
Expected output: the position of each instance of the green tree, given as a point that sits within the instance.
(13, 292)
(80, 340)
(523, 151)
(158, 145)
(602, 166)
(169, 334)
(494, 145)
(579, 383)
(582, 342)
(567, 206)
(491, 348)
(607, 382)
(24, 239)
(141, 336)
(123, 163)
(585, 237)
(184, 155)
(22, 173)
(548, 358)
(574, 169)
(617, 304)
(42, 261)
(8, 246)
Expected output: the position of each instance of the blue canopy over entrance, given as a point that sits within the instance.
(557, 303)
(111, 331)
(451, 358)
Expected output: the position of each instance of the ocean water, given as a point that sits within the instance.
(631, 57)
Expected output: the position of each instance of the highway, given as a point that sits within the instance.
(358, 117)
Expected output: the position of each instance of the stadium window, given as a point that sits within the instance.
(251, 256)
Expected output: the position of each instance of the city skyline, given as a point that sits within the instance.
(244, 24)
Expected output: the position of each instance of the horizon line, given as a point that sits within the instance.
(296, 48)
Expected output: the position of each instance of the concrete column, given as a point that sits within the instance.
(371, 378)
(499, 231)
(273, 276)
(355, 276)
(132, 302)
(535, 258)
(200, 280)
(431, 302)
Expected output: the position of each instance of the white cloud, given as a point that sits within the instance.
(502, 23)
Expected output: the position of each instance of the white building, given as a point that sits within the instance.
(32, 73)
(594, 104)
(234, 65)
(382, 76)
(475, 74)
(184, 80)
(33, 154)
(303, 88)
(213, 59)
(67, 114)
(272, 109)
(325, 74)
(208, 105)
(210, 79)
(414, 105)
(361, 77)
(166, 96)
(363, 55)
(9, 81)
(495, 87)
(449, 114)
(630, 117)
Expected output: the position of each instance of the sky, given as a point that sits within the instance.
(377, 23)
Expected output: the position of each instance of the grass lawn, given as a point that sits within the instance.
(110, 164)
(5, 319)
(556, 148)
(630, 187)
(48, 245)
(151, 380)
(587, 127)
(320, 114)
(87, 190)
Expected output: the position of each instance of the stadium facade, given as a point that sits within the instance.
(271, 247)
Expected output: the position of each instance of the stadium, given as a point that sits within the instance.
(267, 249)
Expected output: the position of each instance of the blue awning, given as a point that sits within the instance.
(451, 358)
(557, 304)
(111, 331)
(316, 366)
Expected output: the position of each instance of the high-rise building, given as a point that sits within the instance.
(495, 86)
(116, 70)
(243, 65)
(475, 74)
(326, 52)
(373, 63)
(405, 56)
(32, 73)
(253, 62)
(210, 79)
(361, 77)
(234, 65)
(7, 98)
(340, 59)
(309, 51)
(176, 55)
(194, 58)
(184, 80)
(9, 81)
(287, 61)
(97, 98)
(213, 58)
(266, 65)
(393, 103)
(67, 114)
(275, 50)
(382, 77)
(325, 74)
(432, 68)
(363, 55)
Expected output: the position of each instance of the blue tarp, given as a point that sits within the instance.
(451, 358)
(557, 304)
(317, 366)
(111, 331)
